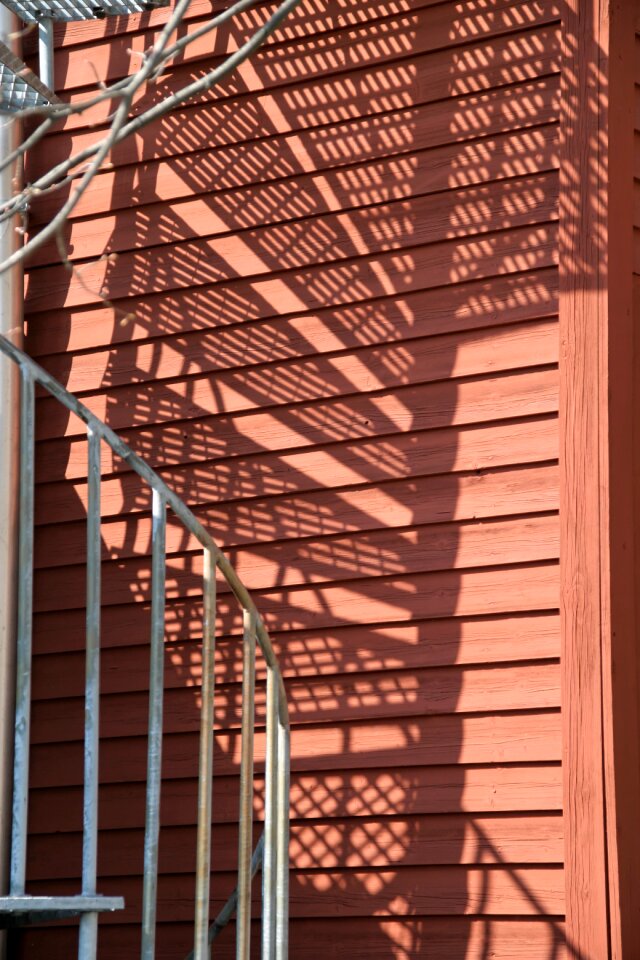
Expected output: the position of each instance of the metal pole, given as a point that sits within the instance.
(24, 640)
(243, 922)
(154, 748)
(201, 949)
(88, 937)
(45, 52)
(282, 844)
(270, 813)
(10, 327)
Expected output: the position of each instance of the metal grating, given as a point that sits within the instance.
(33, 11)
(19, 86)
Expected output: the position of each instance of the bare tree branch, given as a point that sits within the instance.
(87, 163)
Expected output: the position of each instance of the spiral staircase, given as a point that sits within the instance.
(271, 852)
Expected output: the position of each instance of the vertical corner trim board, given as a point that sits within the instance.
(598, 509)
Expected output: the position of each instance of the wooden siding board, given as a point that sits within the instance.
(361, 939)
(209, 216)
(261, 193)
(327, 700)
(308, 19)
(420, 501)
(410, 791)
(506, 639)
(507, 738)
(354, 279)
(381, 553)
(293, 59)
(305, 245)
(454, 306)
(433, 406)
(495, 591)
(369, 462)
(451, 891)
(367, 370)
(413, 841)
(423, 125)
(330, 69)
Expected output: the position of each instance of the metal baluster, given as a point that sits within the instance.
(24, 641)
(270, 801)
(205, 770)
(87, 944)
(154, 749)
(243, 923)
(277, 750)
(282, 842)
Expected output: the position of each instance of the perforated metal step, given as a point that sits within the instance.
(33, 11)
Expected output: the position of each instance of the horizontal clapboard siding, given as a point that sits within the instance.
(359, 938)
(438, 790)
(332, 325)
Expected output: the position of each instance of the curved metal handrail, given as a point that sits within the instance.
(273, 849)
(139, 466)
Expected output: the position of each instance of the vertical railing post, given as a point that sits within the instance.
(154, 748)
(270, 802)
(45, 52)
(24, 644)
(87, 944)
(282, 841)
(273, 848)
(11, 327)
(245, 840)
(205, 770)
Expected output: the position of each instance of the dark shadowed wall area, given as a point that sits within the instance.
(334, 332)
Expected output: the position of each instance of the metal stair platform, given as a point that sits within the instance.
(24, 910)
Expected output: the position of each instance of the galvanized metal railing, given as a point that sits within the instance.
(272, 848)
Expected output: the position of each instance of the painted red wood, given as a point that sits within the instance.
(621, 564)
(395, 694)
(383, 34)
(391, 505)
(430, 406)
(418, 841)
(454, 891)
(453, 307)
(361, 465)
(377, 181)
(437, 740)
(430, 125)
(433, 790)
(361, 939)
(598, 498)
(367, 370)
(507, 639)
(380, 44)
(335, 330)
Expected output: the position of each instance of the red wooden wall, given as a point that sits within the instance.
(333, 327)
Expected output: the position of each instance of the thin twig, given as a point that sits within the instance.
(121, 126)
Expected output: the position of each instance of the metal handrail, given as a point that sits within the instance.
(272, 848)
